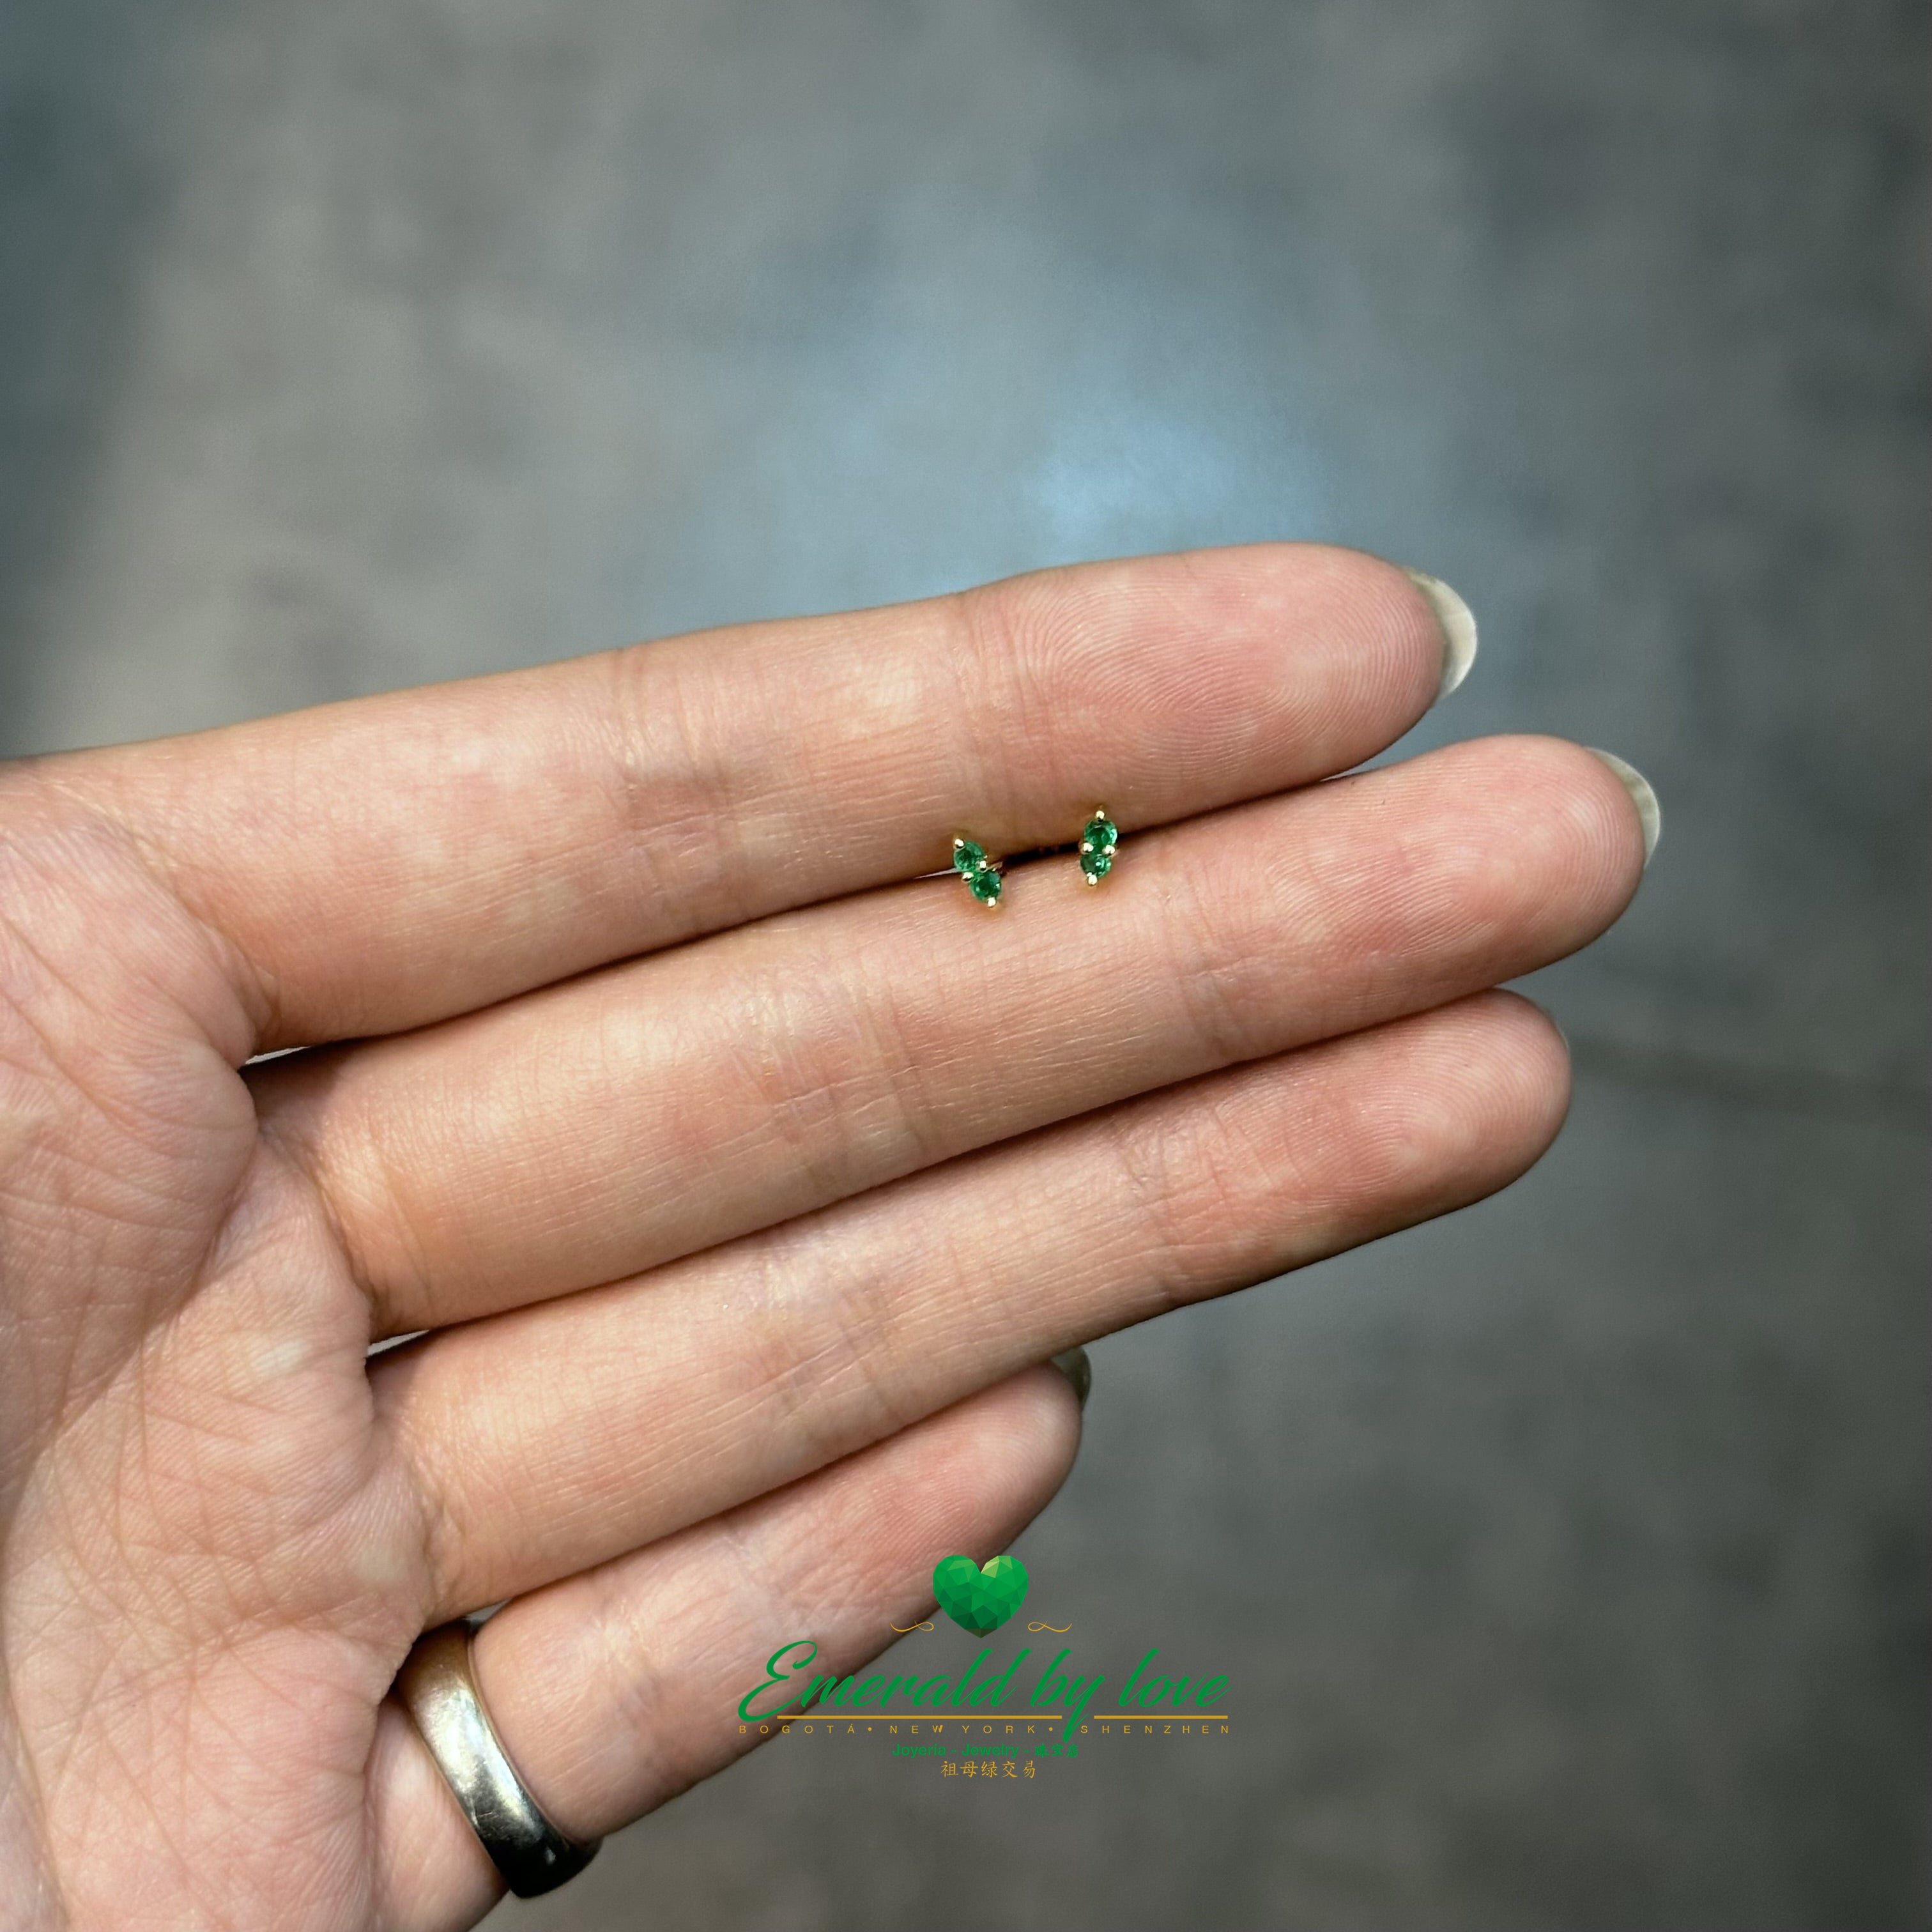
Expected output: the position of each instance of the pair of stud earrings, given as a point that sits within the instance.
(984, 876)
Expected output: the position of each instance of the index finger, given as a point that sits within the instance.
(382, 863)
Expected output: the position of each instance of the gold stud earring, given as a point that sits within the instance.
(982, 874)
(1098, 838)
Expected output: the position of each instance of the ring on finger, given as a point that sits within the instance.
(437, 1686)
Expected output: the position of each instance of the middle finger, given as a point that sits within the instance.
(601, 1127)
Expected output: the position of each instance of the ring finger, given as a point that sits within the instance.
(615, 1690)
(551, 1438)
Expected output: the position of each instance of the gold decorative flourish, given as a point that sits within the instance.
(926, 1625)
(1058, 1629)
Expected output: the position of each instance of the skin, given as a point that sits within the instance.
(742, 1179)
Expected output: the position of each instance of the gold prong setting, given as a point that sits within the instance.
(981, 873)
(1098, 838)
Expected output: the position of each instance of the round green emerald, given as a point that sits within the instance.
(968, 858)
(1098, 838)
(984, 885)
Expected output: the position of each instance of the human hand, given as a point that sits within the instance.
(742, 1179)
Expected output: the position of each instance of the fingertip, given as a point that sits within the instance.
(1253, 667)
(1532, 1055)
(1642, 795)
(1570, 811)
(1622, 821)
(1038, 1417)
(1450, 1105)
(1457, 624)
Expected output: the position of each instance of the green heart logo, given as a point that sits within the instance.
(977, 1598)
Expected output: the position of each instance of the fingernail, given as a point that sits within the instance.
(1073, 1364)
(1457, 625)
(1650, 814)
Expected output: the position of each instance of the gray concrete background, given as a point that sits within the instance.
(1569, 1556)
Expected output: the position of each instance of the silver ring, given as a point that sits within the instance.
(438, 1689)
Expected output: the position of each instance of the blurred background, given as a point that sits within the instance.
(1568, 1556)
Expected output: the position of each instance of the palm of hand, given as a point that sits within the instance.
(209, 1562)
(223, 1525)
